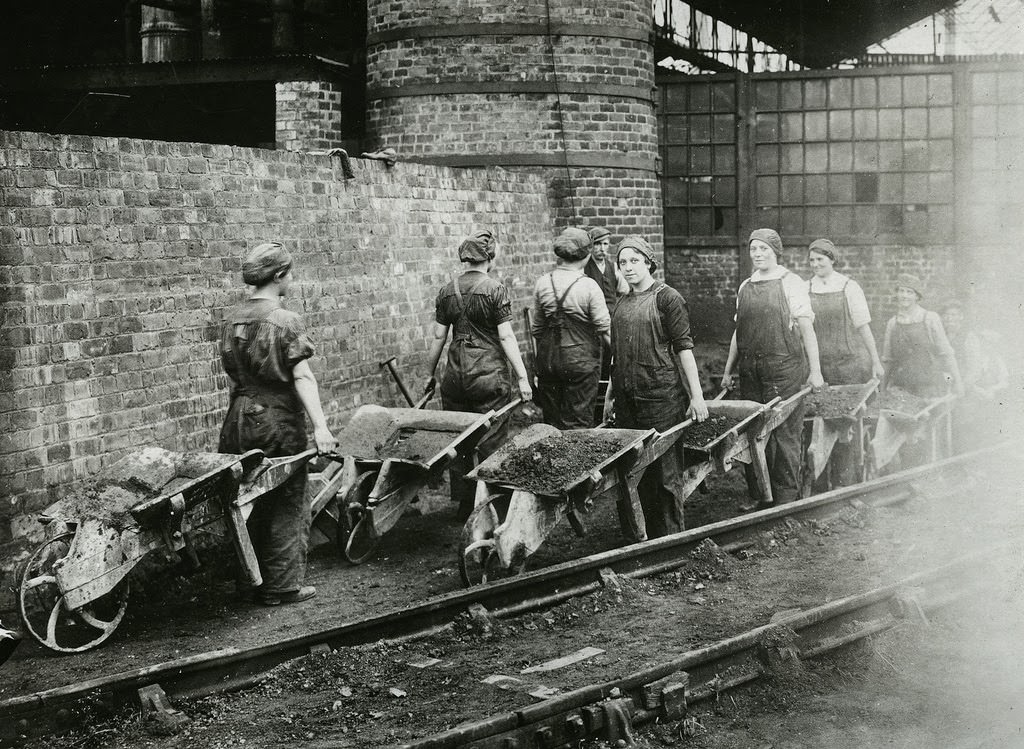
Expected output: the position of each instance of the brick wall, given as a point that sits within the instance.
(308, 115)
(118, 257)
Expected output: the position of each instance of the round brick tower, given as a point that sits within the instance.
(558, 87)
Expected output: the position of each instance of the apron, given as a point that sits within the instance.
(915, 367)
(843, 358)
(477, 376)
(567, 348)
(771, 353)
(648, 390)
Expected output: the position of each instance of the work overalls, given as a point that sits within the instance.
(477, 379)
(609, 284)
(649, 394)
(772, 363)
(568, 366)
(915, 365)
(269, 416)
(844, 360)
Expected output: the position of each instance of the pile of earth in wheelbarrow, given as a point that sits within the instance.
(900, 401)
(557, 462)
(701, 433)
(831, 403)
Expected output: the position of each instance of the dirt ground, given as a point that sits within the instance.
(912, 688)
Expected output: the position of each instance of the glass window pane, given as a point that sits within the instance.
(865, 221)
(984, 88)
(890, 155)
(840, 157)
(675, 129)
(915, 155)
(940, 89)
(724, 127)
(767, 216)
(700, 222)
(865, 188)
(983, 152)
(865, 156)
(767, 159)
(940, 155)
(724, 191)
(915, 123)
(792, 190)
(725, 220)
(725, 159)
(840, 124)
(915, 188)
(791, 94)
(915, 90)
(816, 157)
(675, 160)
(983, 121)
(890, 124)
(940, 187)
(675, 97)
(864, 92)
(816, 188)
(1010, 121)
(766, 94)
(767, 190)
(840, 222)
(816, 126)
(675, 191)
(700, 192)
(815, 94)
(723, 97)
(889, 91)
(940, 122)
(700, 160)
(700, 129)
(865, 124)
(792, 126)
(915, 222)
(940, 225)
(791, 158)
(675, 222)
(1011, 85)
(890, 219)
(840, 188)
(767, 128)
(700, 97)
(792, 221)
(890, 188)
(816, 222)
(839, 93)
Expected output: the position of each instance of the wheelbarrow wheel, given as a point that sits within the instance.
(478, 558)
(354, 529)
(47, 618)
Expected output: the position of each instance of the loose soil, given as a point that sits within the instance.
(830, 403)
(899, 401)
(556, 463)
(699, 434)
(416, 444)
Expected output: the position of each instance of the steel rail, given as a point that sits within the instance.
(567, 718)
(233, 668)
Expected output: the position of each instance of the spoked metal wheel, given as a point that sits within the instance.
(44, 613)
(354, 537)
(478, 558)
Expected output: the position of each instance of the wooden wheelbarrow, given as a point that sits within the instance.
(73, 590)
(389, 455)
(929, 422)
(824, 429)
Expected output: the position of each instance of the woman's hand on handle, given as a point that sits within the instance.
(525, 391)
(816, 381)
(698, 409)
(728, 381)
(326, 443)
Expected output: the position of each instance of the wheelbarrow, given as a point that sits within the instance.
(73, 590)
(909, 420)
(835, 415)
(389, 455)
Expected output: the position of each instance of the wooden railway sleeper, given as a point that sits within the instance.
(156, 708)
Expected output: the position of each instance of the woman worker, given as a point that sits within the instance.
(477, 377)
(570, 322)
(842, 322)
(916, 353)
(265, 350)
(777, 353)
(655, 384)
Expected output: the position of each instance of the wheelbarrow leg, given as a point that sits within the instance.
(243, 544)
(631, 513)
(759, 464)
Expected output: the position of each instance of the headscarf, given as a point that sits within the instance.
(912, 282)
(771, 238)
(824, 247)
(639, 244)
(572, 244)
(478, 248)
(264, 262)
(598, 232)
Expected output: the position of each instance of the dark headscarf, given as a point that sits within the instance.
(824, 247)
(912, 282)
(771, 238)
(639, 244)
(264, 262)
(478, 248)
(572, 244)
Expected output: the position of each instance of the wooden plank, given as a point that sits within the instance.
(566, 660)
(244, 550)
(631, 513)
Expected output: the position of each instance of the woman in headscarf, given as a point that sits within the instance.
(916, 353)
(482, 356)
(777, 353)
(655, 383)
(265, 351)
(842, 322)
(570, 321)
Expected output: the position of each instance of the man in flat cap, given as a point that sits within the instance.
(265, 351)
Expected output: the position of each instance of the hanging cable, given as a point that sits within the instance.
(558, 109)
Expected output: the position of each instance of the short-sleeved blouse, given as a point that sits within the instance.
(261, 341)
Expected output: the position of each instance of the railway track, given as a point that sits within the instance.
(225, 670)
